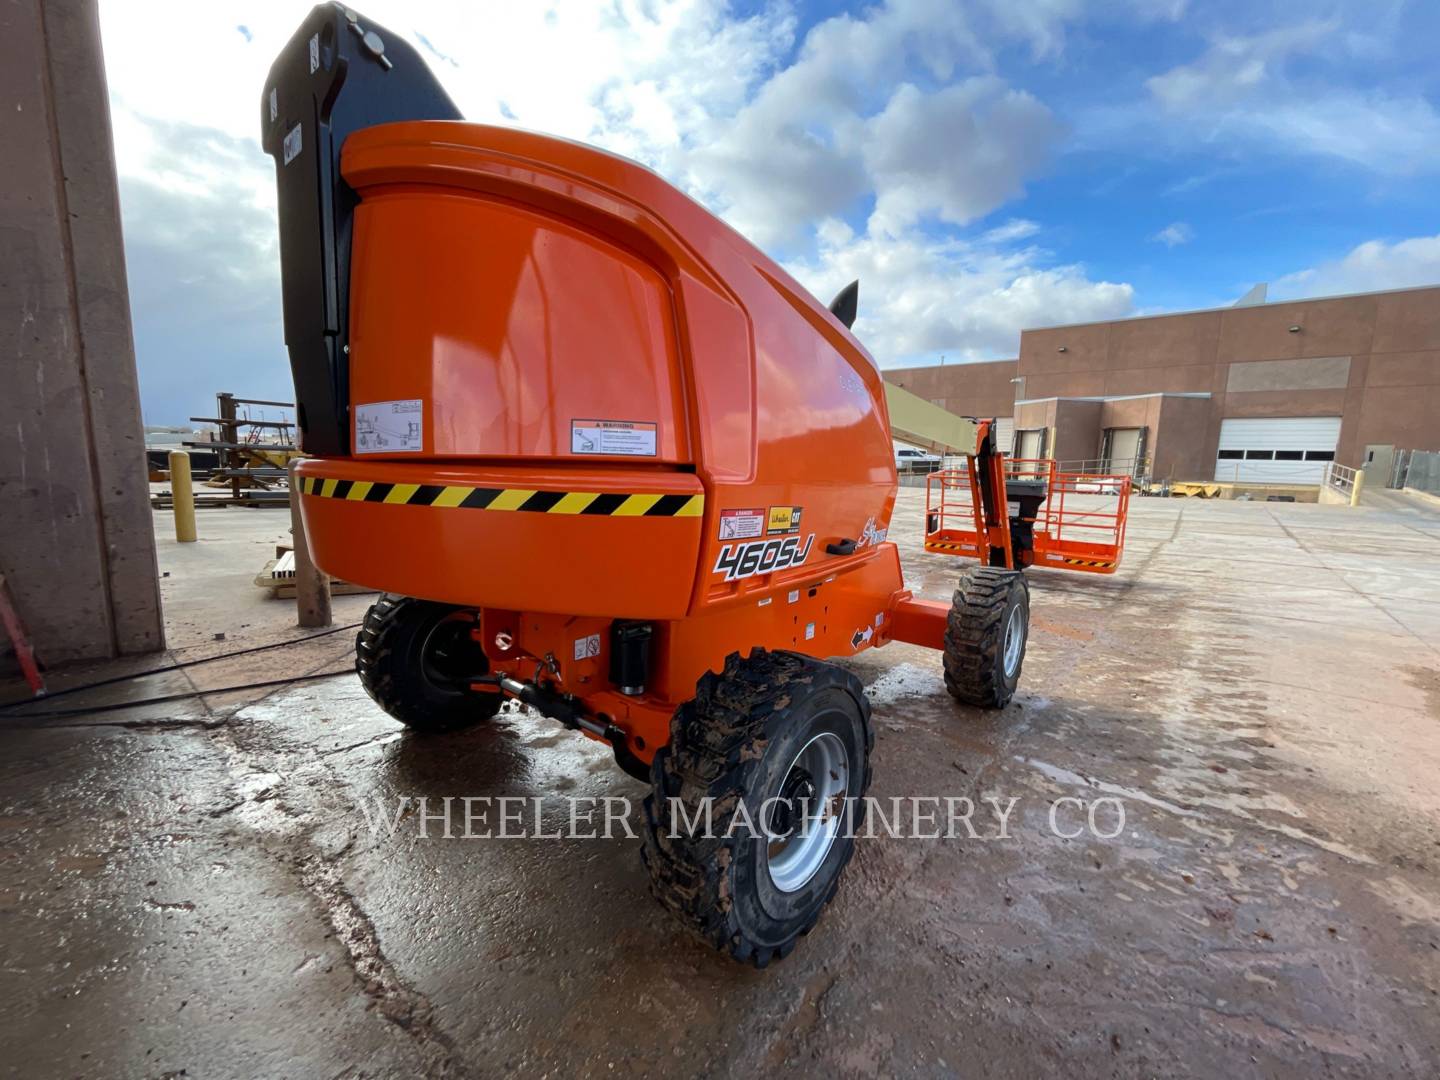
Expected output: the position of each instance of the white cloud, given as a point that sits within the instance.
(777, 134)
(198, 193)
(811, 144)
(1243, 89)
(1174, 234)
(1234, 67)
(957, 153)
(921, 296)
(1388, 135)
(1369, 267)
(900, 104)
(1013, 230)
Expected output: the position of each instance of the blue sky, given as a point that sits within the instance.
(980, 167)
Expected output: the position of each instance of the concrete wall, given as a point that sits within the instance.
(1179, 447)
(982, 390)
(76, 542)
(1175, 428)
(1373, 360)
(1074, 426)
(1331, 496)
(1075, 430)
(1133, 412)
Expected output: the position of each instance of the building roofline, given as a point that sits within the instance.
(1231, 307)
(1113, 397)
(956, 363)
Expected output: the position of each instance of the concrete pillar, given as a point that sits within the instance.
(76, 539)
(312, 585)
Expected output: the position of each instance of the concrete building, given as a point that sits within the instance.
(76, 540)
(1265, 393)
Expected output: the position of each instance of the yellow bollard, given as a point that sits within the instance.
(1355, 487)
(183, 495)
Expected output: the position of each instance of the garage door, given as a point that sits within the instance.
(1004, 434)
(1123, 450)
(1031, 445)
(1277, 450)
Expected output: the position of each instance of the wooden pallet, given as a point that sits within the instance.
(279, 577)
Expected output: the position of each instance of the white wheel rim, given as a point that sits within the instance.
(1014, 640)
(792, 860)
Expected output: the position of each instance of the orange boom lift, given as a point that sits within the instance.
(606, 458)
(1060, 520)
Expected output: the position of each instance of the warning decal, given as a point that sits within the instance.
(506, 500)
(390, 427)
(624, 437)
(741, 524)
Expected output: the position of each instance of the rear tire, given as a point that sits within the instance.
(416, 658)
(986, 635)
(789, 738)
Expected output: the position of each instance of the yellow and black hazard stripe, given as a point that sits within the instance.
(1088, 562)
(943, 545)
(607, 504)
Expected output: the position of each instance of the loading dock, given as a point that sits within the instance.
(1276, 450)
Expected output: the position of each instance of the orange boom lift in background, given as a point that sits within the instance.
(1060, 520)
(606, 458)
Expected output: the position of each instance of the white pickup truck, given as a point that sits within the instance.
(908, 459)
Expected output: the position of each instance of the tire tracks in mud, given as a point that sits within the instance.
(803, 1022)
(394, 998)
(1059, 674)
(254, 749)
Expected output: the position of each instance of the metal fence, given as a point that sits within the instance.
(1340, 477)
(1417, 469)
(912, 473)
(1137, 468)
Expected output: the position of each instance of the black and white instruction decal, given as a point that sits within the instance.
(390, 427)
(624, 437)
(587, 647)
(292, 144)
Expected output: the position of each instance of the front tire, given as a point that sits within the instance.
(786, 741)
(416, 659)
(986, 635)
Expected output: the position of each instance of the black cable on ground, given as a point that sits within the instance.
(118, 705)
(175, 667)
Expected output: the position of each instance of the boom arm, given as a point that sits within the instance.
(925, 424)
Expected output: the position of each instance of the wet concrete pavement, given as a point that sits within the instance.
(192, 887)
